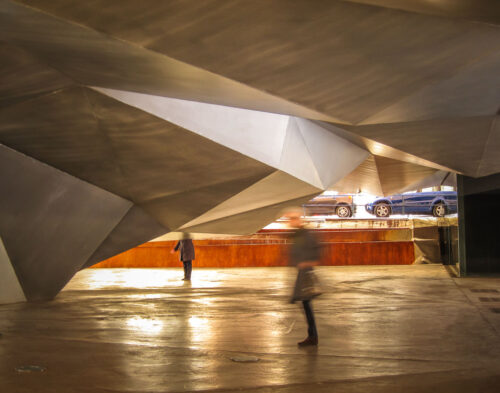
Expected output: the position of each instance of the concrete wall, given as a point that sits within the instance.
(11, 289)
(479, 215)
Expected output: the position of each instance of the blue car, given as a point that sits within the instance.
(438, 203)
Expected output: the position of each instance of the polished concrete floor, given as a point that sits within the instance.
(382, 329)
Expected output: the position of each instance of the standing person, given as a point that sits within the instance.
(186, 254)
(304, 254)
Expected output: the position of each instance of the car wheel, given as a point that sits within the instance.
(382, 210)
(344, 211)
(439, 210)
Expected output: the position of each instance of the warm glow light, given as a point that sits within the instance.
(150, 326)
(150, 280)
(128, 278)
(205, 301)
(377, 148)
(197, 322)
(201, 331)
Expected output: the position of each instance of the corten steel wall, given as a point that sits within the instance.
(269, 248)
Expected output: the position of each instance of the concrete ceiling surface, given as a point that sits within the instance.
(439, 178)
(343, 59)
(486, 11)
(51, 222)
(125, 150)
(62, 130)
(470, 91)
(456, 143)
(364, 178)
(95, 59)
(299, 147)
(178, 209)
(296, 158)
(383, 176)
(396, 175)
(333, 157)
(159, 159)
(135, 228)
(276, 188)
(247, 222)
(376, 147)
(340, 61)
(256, 134)
(23, 77)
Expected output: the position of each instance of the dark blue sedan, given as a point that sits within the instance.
(438, 203)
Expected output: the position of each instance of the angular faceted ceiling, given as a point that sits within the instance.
(126, 120)
(379, 70)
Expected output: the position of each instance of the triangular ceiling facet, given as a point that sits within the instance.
(453, 143)
(135, 228)
(275, 188)
(382, 176)
(469, 92)
(333, 157)
(259, 135)
(396, 175)
(364, 178)
(51, 222)
(247, 222)
(296, 159)
(178, 209)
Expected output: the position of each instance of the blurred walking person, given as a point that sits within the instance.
(304, 254)
(186, 254)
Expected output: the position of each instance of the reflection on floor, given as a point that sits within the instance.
(382, 329)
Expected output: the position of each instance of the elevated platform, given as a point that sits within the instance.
(345, 242)
(269, 248)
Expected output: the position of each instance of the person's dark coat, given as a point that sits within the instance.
(304, 248)
(186, 248)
